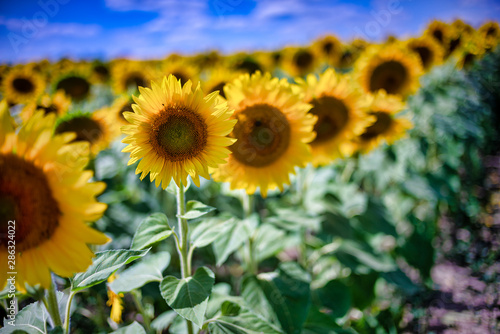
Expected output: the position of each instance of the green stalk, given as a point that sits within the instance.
(247, 202)
(140, 308)
(182, 245)
(52, 307)
(68, 312)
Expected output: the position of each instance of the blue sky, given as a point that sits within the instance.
(147, 29)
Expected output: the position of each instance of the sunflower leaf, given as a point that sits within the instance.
(152, 229)
(189, 296)
(104, 264)
(31, 319)
(147, 270)
(195, 209)
(133, 328)
(242, 323)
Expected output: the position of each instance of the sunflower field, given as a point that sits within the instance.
(336, 187)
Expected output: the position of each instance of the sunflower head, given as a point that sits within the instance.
(328, 48)
(298, 62)
(127, 75)
(58, 104)
(387, 126)
(21, 85)
(45, 191)
(389, 68)
(336, 103)
(440, 32)
(490, 32)
(272, 132)
(180, 68)
(98, 128)
(176, 131)
(428, 50)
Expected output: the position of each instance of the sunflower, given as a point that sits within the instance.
(429, 51)
(22, 85)
(100, 72)
(299, 61)
(439, 31)
(177, 131)
(490, 32)
(329, 49)
(127, 75)
(272, 133)
(98, 128)
(115, 301)
(45, 191)
(75, 82)
(390, 68)
(218, 78)
(336, 103)
(179, 68)
(469, 52)
(242, 62)
(58, 104)
(387, 126)
(120, 105)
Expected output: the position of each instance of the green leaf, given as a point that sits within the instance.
(104, 264)
(230, 308)
(57, 330)
(163, 321)
(243, 323)
(288, 292)
(209, 230)
(255, 298)
(133, 328)
(230, 239)
(336, 296)
(189, 296)
(361, 253)
(195, 209)
(31, 319)
(151, 230)
(149, 269)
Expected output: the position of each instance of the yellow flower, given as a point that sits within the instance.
(299, 62)
(490, 32)
(179, 68)
(336, 103)
(58, 104)
(98, 128)
(429, 51)
(272, 133)
(129, 75)
(46, 192)
(22, 85)
(440, 31)
(329, 49)
(387, 126)
(176, 131)
(74, 81)
(116, 302)
(390, 68)
(218, 78)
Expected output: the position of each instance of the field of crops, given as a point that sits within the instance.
(336, 187)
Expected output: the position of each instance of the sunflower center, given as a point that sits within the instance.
(135, 80)
(491, 32)
(438, 34)
(23, 85)
(425, 55)
(303, 59)
(454, 44)
(26, 197)
(178, 133)
(390, 75)
(248, 65)
(332, 117)
(48, 110)
(76, 87)
(180, 75)
(220, 88)
(382, 124)
(126, 107)
(263, 134)
(328, 48)
(86, 129)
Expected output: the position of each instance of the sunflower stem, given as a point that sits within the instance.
(247, 202)
(182, 245)
(68, 311)
(52, 306)
(140, 309)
